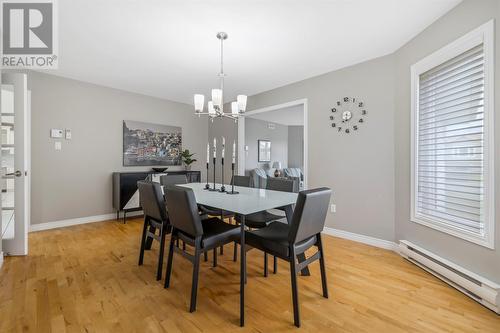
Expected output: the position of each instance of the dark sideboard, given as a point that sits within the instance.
(126, 195)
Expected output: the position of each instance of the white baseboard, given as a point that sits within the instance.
(381, 243)
(77, 221)
(1, 259)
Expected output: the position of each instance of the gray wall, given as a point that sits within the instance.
(359, 167)
(296, 147)
(76, 181)
(256, 129)
(462, 19)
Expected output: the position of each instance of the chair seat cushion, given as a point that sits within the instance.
(274, 239)
(214, 211)
(217, 232)
(260, 219)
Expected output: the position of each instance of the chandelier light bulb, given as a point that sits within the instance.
(234, 108)
(242, 102)
(217, 97)
(199, 101)
(211, 109)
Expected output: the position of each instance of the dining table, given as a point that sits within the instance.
(247, 201)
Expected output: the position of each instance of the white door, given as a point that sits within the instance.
(15, 143)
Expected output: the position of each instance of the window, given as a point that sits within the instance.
(452, 138)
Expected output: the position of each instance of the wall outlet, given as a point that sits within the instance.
(333, 208)
(57, 145)
(68, 134)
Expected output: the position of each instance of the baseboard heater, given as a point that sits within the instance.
(476, 287)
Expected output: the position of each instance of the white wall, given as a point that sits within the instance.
(359, 167)
(460, 20)
(76, 181)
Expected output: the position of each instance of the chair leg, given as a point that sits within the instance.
(162, 250)
(295, 295)
(205, 255)
(235, 253)
(196, 269)
(215, 257)
(322, 266)
(170, 259)
(265, 264)
(183, 246)
(275, 265)
(143, 241)
(222, 250)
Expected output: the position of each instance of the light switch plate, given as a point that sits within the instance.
(333, 208)
(56, 133)
(68, 134)
(58, 145)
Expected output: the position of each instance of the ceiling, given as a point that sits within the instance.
(290, 116)
(168, 49)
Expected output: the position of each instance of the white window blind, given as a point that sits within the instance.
(450, 144)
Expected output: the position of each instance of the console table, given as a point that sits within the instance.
(126, 194)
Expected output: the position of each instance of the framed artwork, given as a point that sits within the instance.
(264, 147)
(146, 144)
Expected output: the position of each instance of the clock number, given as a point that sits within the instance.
(331, 117)
(334, 125)
(355, 127)
(360, 104)
(346, 99)
(347, 131)
(354, 100)
(338, 103)
(363, 112)
(334, 110)
(340, 128)
(361, 120)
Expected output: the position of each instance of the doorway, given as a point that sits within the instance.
(15, 163)
(265, 125)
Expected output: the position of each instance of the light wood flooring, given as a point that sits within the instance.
(86, 279)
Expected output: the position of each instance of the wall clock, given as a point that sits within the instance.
(347, 115)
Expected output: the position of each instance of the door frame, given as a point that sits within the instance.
(19, 246)
(241, 134)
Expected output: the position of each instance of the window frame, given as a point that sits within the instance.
(483, 34)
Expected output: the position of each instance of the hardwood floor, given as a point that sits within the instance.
(86, 279)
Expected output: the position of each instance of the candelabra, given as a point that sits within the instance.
(222, 188)
(207, 185)
(232, 185)
(213, 189)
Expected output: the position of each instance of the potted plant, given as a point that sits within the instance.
(187, 159)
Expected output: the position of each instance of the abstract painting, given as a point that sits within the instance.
(146, 144)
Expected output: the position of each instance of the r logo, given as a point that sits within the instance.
(27, 28)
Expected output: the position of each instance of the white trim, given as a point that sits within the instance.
(77, 221)
(377, 242)
(483, 34)
(1, 259)
(241, 135)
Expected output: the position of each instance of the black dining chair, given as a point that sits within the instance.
(172, 179)
(187, 225)
(155, 218)
(288, 241)
(244, 181)
(264, 218)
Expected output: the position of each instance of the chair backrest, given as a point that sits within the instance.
(151, 199)
(183, 210)
(281, 184)
(244, 181)
(309, 214)
(173, 179)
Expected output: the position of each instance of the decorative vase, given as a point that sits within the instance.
(188, 167)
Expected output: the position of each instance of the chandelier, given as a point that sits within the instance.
(215, 107)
